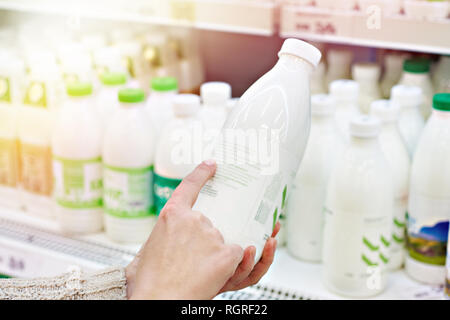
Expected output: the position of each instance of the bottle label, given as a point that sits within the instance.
(36, 169)
(78, 183)
(399, 225)
(128, 192)
(428, 223)
(5, 90)
(9, 162)
(162, 190)
(447, 282)
(36, 95)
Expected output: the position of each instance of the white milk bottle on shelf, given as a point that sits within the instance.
(396, 154)
(339, 64)
(345, 94)
(429, 200)
(416, 72)
(250, 188)
(358, 215)
(107, 102)
(367, 76)
(175, 154)
(159, 103)
(318, 80)
(393, 68)
(306, 201)
(77, 164)
(231, 104)
(108, 59)
(128, 154)
(441, 75)
(447, 264)
(12, 75)
(411, 122)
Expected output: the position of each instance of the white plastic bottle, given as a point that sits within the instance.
(429, 200)
(318, 79)
(128, 154)
(77, 164)
(396, 154)
(345, 94)
(441, 75)
(447, 280)
(159, 103)
(411, 122)
(176, 150)
(367, 75)
(307, 199)
(249, 190)
(358, 215)
(339, 65)
(393, 68)
(416, 72)
(215, 96)
(107, 99)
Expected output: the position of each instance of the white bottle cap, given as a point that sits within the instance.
(339, 56)
(322, 105)
(406, 96)
(186, 105)
(302, 50)
(214, 93)
(343, 89)
(384, 110)
(366, 71)
(364, 126)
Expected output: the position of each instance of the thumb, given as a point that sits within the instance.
(187, 191)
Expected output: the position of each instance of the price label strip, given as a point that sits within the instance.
(266, 292)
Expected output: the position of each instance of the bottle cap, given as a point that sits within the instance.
(384, 110)
(131, 95)
(185, 105)
(366, 71)
(417, 65)
(364, 126)
(215, 93)
(441, 102)
(406, 96)
(302, 50)
(113, 78)
(347, 90)
(339, 56)
(322, 105)
(163, 84)
(79, 89)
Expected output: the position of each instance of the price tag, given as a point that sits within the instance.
(17, 264)
(183, 10)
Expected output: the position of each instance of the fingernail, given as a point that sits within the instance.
(210, 162)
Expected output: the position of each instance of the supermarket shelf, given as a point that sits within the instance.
(399, 32)
(217, 15)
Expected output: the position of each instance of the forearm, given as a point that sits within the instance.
(108, 284)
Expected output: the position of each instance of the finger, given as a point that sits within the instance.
(187, 192)
(243, 270)
(276, 229)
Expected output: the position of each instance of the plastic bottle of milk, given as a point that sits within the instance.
(411, 122)
(260, 149)
(367, 76)
(345, 94)
(416, 73)
(429, 200)
(12, 75)
(176, 149)
(318, 80)
(358, 215)
(128, 154)
(159, 104)
(107, 103)
(339, 64)
(396, 154)
(447, 281)
(77, 164)
(306, 201)
(393, 67)
(441, 75)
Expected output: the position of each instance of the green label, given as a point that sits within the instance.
(162, 190)
(36, 95)
(78, 183)
(128, 192)
(5, 90)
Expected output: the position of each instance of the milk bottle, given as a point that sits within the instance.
(367, 76)
(318, 80)
(107, 102)
(441, 75)
(411, 122)
(307, 198)
(175, 153)
(447, 281)
(358, 215)
(259, 150)
(339, 63)
(77, 164)
(396, 154)
(128, 154)
(429, 200)
(393, 67)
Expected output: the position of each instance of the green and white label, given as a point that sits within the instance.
(5, 90)
(78, 183)
(162, 190)
(128, 191)
(36, 95)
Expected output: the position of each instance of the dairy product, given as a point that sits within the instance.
(107, 99)
(396, 154)
(441, 75)
(77, 165)
(345, 94)
(307, 198)
(128, 155)
(318, 80)
(339, 63)
(231, 104)
(108, 59)
(411, 122)
(429, 201)
(367, 76)
(393, 67)
(447, 281)
(358, 215)
(176, 151)
(416, 73)
(250, 188)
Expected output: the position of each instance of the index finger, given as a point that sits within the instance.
(187, 191)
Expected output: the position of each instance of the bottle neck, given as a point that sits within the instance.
(293, 63)
(363, 143)
(414, 77)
